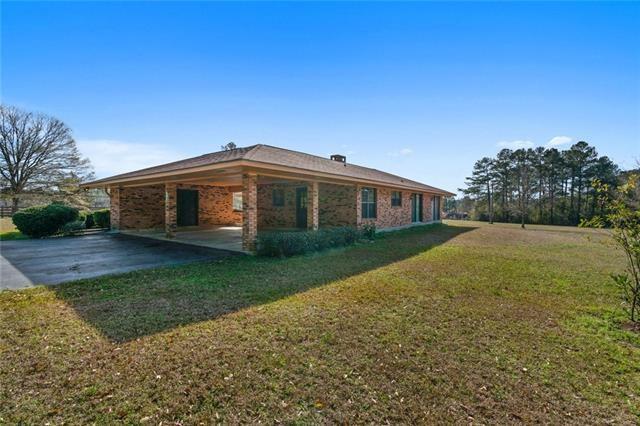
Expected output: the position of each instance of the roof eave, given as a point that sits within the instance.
(115, 180)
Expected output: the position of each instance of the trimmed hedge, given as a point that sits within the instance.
(281, 244)
(42, 221)
(102, 218)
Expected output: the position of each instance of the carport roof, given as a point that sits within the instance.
(264, 155)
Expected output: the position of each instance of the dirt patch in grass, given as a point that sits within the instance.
(458, 324)
(631, 326)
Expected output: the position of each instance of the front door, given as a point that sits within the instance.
(187, 207)
(301, 207)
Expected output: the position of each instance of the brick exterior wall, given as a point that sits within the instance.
(389, 216)
(426, 207)
(144, 207)
(215, 205)
(141, 207)
(337, 205)
(270, 216)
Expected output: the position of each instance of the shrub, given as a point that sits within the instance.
(368, 231)
(89, 222)
(337, 237)
(42, 221)
(623, 217)
(102, 218)
(71, 228)
(279, 244)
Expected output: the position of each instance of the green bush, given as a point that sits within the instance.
(102, 218)
(369, 231)
(280, 244)
(42, 221)
(72, 228)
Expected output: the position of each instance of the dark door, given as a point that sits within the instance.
(301, 207)
(435, 208)
(416, 207)
(187, 207)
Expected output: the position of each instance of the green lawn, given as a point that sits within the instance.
(462, 323)
(8, 230)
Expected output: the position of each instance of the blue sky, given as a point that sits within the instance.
(418, 89)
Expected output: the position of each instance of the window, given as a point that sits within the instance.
(277, 198)
(237, 201)
(368, 196)
(396, 199)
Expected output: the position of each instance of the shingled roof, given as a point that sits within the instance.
(271, 155)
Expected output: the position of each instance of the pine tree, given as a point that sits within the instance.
(480, 183)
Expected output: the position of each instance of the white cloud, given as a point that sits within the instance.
(111, 157)
(515, 144)
(402, 152)
(559, 140)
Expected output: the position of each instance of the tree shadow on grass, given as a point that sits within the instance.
(137, 304)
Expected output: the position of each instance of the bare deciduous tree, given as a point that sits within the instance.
(38, 155)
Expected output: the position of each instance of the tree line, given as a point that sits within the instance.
(537, 185)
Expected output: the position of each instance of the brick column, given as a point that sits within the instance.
(313, 217)
(358, 206)
(427, 215)
(249, 211)
(114, 203)
(170, 209)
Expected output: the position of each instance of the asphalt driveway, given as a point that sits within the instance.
(25, 263)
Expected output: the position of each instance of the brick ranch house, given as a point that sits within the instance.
(225, 198)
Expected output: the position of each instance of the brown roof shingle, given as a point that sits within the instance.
(268, 154)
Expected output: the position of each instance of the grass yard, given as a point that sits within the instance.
(461, 323)
(8, 230)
